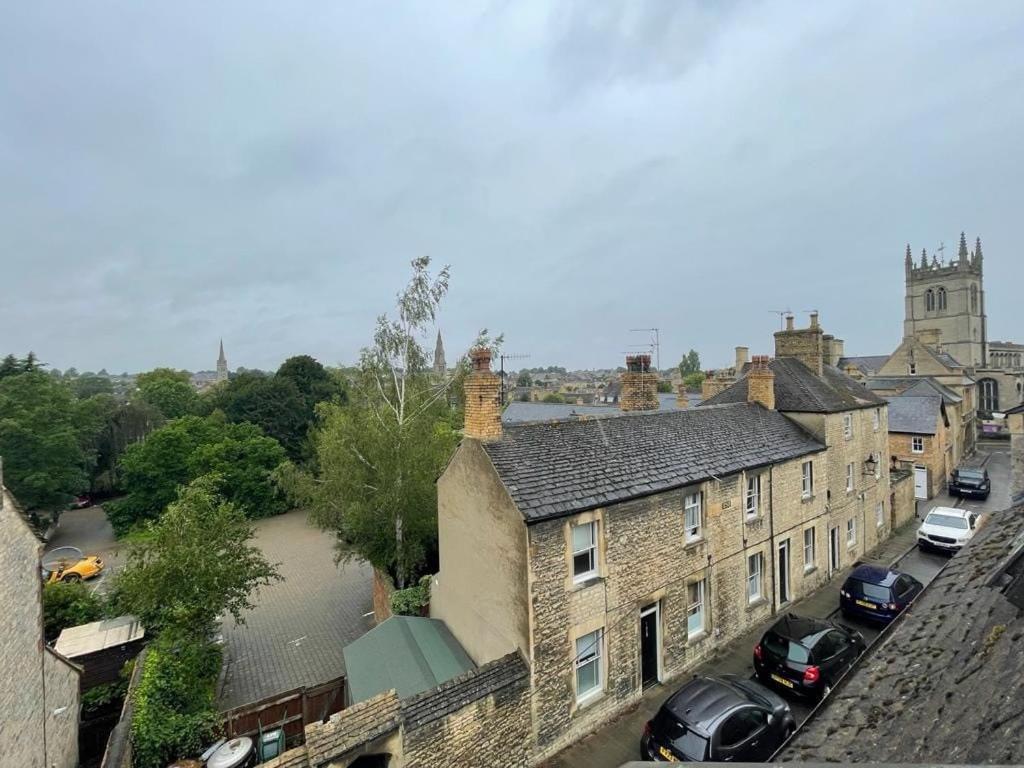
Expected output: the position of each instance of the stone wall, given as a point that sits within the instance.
(1015, 422)
(39, 695)
(901, 446)
(805, 344)
(904, 505)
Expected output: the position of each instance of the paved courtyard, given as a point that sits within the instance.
(296, 633)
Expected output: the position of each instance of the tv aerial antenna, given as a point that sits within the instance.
(654, 345)
(501, 372)
(783, 314)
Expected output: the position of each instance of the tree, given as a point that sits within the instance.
(40, 441)
(31, 363)
(127, 424)
(169, 374)
(664, 385)
(85, 387)
(553, 397)
(524, 379)
(690, 363)
(192, 565)
(10, 366)
(68, 604)
(380, 455)
(272, 403)
(243, 462)
(171, 396)
(693, 381)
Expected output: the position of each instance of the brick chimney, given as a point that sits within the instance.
(1015, 421)
(805, 344)
(761, 382)
(682, 400)
(639, 385)
(483, 409)
(741, 359)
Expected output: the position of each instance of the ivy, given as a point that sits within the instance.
(411, 601)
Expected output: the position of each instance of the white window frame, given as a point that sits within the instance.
(851, 531)
(880, 514)
(850, 474)
(693, 530)
(593, 653)
(917, 445)
(697, 608)
(752, 496)
(578, 578)
(876, 419)
(755, 576)
(848, 426)
(807, 479)
(809, 549)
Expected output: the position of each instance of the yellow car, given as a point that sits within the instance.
(68, 564)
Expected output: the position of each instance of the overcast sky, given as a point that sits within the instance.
(175, 172)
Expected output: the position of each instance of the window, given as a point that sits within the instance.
(942, 299)
(693, 514)
(588, 664)
(880, 514)
(807, 488)
(847, 425)
(912, 369)
(753, 495)
(808, 549)
(989, 395)
(849, 477)
(584, 551)
(695, 621)
(851, 532)
(876, 419)
(742, 727)
(754, 585)
(917, 445)
(929, 300)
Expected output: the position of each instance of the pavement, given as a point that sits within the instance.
(618, 742)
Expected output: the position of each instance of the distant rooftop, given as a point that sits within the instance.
(914, 415)
(519, 412)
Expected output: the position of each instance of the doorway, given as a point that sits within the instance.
(784, 596)
(921, 483)
(650, 645)
(833, 550)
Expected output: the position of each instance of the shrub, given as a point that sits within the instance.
(411, 601)
(68, 604)
(174, 713)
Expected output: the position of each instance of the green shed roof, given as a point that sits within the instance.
(407, 653)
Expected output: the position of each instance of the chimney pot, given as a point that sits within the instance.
(741, 358)
(761, 382)
(789, 322)
(682, 399)
(814, 319)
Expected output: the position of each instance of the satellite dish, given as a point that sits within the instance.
(60, 558)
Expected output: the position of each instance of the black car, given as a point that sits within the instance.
(806, 656)
(715, 719)
(877, 594)
(973, 483)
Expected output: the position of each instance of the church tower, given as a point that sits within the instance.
(440, 367)
(945, 303)
(222, 365)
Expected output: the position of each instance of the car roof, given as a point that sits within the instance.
(875, 574)
(704, 701)
(799, 628)
(950, 511)
(979, 470)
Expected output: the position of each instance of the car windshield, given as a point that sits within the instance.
(946, 521)
(870, 591)
(690, 745)
(970, 474)
(780, 646)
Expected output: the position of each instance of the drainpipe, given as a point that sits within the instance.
(771, 530)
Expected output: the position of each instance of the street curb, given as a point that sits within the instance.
(903, 554)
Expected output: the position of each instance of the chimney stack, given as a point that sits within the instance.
(682, 400)
(789, 322)
(741, 359)
(805, 344)
(1015, 421)
(483, 409)
(639, 385)
(761, 383)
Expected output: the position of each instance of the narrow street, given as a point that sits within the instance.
(618, 742)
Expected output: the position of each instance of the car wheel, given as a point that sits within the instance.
(71, 578)
(790, 730)
(826, 691)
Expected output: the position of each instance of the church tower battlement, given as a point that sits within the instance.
(945, 303)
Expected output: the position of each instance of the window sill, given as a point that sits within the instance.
(590, 698)
(752, 519)
(851, 545)
(585, 582)
(756, 603)
(807, 499)
(809, 569)
(693, 544)
(697, 637)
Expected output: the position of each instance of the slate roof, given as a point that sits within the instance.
(407, 654)
(946, 359)
(914, 415)
(518, 412)
(929, 387)
(868, 364)
(559, 468)
(1015, 409)
(798, 389)
(947, 685)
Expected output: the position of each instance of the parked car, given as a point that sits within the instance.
(973, 483)
(717, 719)
(69, 564)
(947, 529)
(81, 502)
(877, 594)
(806, 656)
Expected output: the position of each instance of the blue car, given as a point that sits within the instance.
(877, 594)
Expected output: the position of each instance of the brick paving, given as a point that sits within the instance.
(295, 635)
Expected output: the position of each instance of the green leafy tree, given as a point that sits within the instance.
(193, 564)
(85, 387)
(243, 461)
(664, 385)
(380, 455)
(171, 396)
(690, 363)
(693, 381)
(31, 363)
(524, 379)
(126, 425)
(157, 374)
(10, 366)
(41, 441)
(68, 604)
(273, 403)
(553, 397)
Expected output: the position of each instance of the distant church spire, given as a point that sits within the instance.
(909, 259)
(222, 364)
(440, 367)
(977, 251)
(962, 255)
(924, 258)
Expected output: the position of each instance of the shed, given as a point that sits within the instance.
(409, 654)
(102, 648)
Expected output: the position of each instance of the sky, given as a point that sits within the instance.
(176, 173)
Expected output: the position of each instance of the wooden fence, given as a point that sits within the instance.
(293, 711)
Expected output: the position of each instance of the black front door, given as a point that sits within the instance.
(649, 645)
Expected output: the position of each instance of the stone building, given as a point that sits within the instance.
(222, 365)
(918, 440)
(39, 695)
(440, 366)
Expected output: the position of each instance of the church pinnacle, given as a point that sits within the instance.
(963, 260)
(440, 367)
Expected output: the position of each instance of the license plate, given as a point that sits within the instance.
(667, 755)
(781, 679)
(866, 604)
